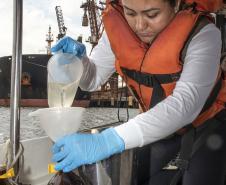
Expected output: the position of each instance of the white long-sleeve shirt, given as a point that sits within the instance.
(198, 77)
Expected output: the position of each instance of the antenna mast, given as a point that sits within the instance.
(49, 40)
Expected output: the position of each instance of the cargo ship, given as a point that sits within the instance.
(33, 82)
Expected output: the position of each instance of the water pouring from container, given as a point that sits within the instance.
(64, 73)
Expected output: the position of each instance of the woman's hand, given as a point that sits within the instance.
(79, 149)
(68, 45)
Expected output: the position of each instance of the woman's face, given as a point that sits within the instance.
(147, 18)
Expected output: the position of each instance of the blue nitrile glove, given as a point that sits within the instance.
(68, 45)
(78, 149)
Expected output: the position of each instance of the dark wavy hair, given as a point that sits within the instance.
(172, 2)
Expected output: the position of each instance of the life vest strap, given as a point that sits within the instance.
(213, 96)
(153, 81)
(182, 162)
(189, 146)
(201, 23)
(158, 93)
(147, 79)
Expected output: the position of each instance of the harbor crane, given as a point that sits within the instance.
(60, 21)
(62, 29)
(93, 19)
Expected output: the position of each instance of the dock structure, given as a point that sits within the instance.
(113, 94)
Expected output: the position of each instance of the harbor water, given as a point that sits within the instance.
(30, 127)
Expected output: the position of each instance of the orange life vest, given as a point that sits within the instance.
(159, 66)
(207, 5)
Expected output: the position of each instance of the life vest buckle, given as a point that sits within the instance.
(182, 164)
(148, 79)
(175, 77)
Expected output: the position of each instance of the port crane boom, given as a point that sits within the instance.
(60, 21)
(92, 19)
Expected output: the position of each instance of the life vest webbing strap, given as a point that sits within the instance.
(201, 22)
(158, 93)
(182, 162)
(190, 145)
(149, 79)
(213, 96)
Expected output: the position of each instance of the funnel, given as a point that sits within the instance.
(59, 121)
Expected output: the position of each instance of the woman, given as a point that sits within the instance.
(169, 57)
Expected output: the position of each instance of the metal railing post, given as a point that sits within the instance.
(16, 67)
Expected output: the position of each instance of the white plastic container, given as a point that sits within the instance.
(1, 138)
(64, 73)
(58, 122)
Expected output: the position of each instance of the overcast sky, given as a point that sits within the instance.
(37, 16)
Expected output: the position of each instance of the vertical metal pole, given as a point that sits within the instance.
(16, 68)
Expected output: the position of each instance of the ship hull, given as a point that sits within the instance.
(33, 82)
